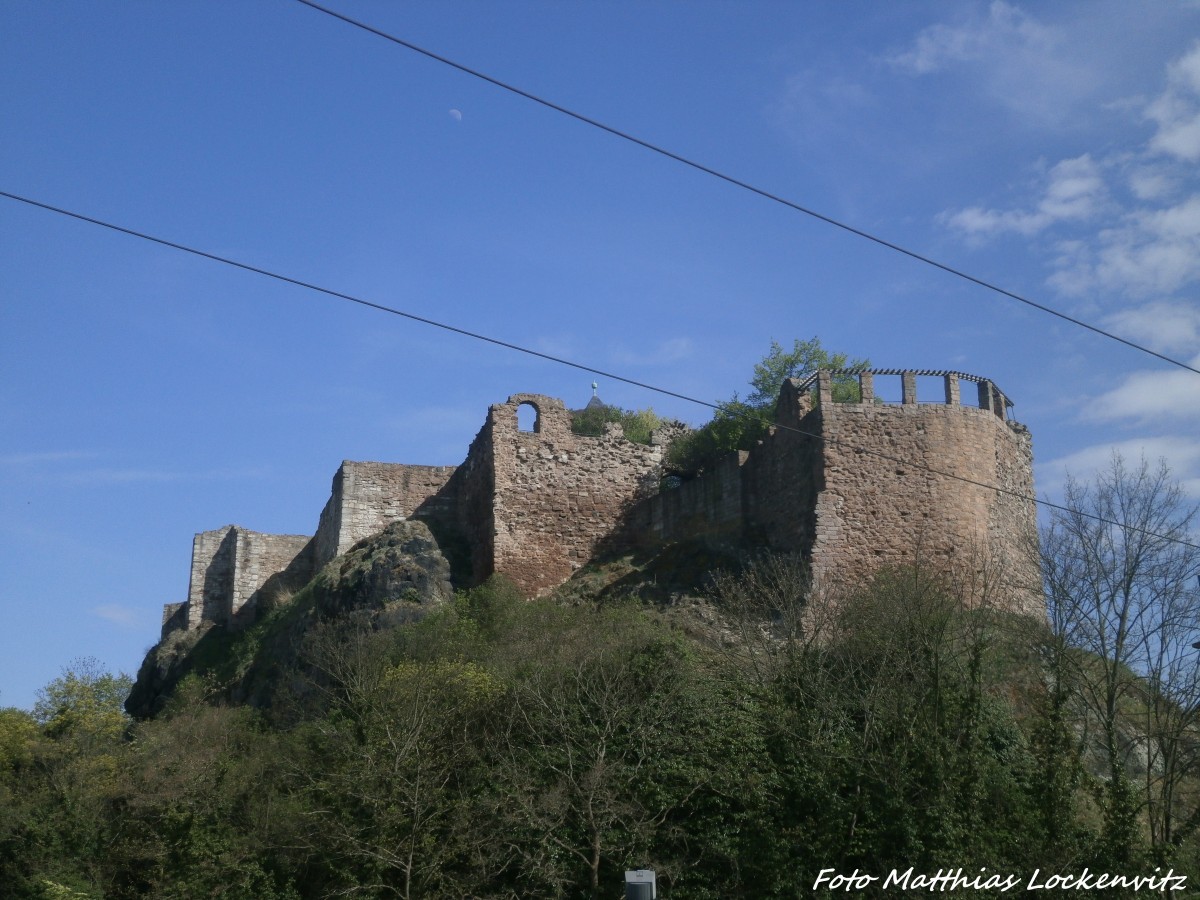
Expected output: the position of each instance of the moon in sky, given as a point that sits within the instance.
(456, 115)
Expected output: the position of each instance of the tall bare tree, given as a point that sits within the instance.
(1121, 569)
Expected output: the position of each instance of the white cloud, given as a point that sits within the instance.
(1182, 455)
(96, 477)
(671, 350)
(1074, 190)
(1149, 396)
(1177, 111)
(1020, 63)
(1152, 182)
(1164, 325)
(562, 345)
(1151, 251)
(1147, 248)
(50, 456)
(429, 418)
(119, 615)
(115, 475)
(1005, 30)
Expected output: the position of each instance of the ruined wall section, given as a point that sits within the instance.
(471, 491)
(366, 497)
(783, 478)
(765, 496)
(174, 618)
(211, 584)
(709, 507)
(558, 496)
(259, 557)
(230, 566)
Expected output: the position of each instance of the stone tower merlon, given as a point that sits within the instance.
(556, 496)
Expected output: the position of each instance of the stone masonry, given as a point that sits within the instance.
(853, 487)
(368, 496)
(553, 497)
(850, 487)
(230, 566)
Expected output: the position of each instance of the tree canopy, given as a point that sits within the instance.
(501, 748)
(739, 423)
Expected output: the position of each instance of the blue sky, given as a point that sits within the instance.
(146, 395)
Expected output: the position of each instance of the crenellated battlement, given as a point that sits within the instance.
(988, 395)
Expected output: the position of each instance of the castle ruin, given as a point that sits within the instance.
(850, 486)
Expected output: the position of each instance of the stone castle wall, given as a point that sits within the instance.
(366, 497)
(558, 496)
(471, 490)
(211, 581)
(850, 486)
(883, 501)
(230, 566)
(710, 506)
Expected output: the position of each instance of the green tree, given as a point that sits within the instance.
(86, 702)
(62, 768)
(739, 423)
(804, 358)
(202, 813)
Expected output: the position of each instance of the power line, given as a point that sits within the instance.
(912, 254)
(257, 270)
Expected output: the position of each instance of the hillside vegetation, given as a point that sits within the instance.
(503, 748)
(696, 711)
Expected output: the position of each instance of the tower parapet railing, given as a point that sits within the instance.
(988, 395)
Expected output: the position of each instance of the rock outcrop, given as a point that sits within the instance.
(386, 580)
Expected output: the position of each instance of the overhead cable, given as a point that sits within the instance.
(708, 170)
(267, 273)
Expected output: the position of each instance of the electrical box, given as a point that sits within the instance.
(639, 885)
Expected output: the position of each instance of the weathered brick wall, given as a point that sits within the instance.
(559, 496)
(848, 486)
(1012, 527)
(845, 484)
(367, 496)
(472, 490)
(783, 478)
(174, 618)
(229, 566)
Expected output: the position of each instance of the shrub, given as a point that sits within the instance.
(638, 424)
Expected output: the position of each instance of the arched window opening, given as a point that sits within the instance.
(529, 418)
